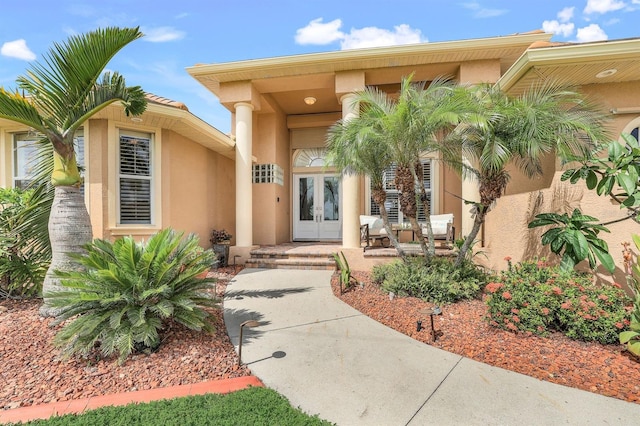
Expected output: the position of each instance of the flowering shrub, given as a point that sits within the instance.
(537, 298)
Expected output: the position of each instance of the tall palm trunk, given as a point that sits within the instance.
(379, 197)
(478, 220)
(491, 188)
(69, 231)
(429, 251)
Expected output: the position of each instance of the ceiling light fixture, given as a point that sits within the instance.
(606, 73)
(310, 100)
(136, 119)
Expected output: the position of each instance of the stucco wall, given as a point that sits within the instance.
(506, 225)
(197, 188)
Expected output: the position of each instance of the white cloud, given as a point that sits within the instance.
(592, 32)
(481, 12)
(557, 28)
(376, 37)
(162, 34)
(318, 32)
(566, 14)
(181, 15)
(603, 6)
(17, 49)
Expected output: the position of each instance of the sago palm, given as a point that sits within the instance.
(549, 119)
(127, 292)
(55, 98)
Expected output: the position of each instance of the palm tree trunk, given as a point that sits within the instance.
(69, 231)
(478, 220)
(392, 237)
(430, 251)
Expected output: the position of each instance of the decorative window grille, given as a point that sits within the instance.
(135, 179)
(392, 204)
(268, 173)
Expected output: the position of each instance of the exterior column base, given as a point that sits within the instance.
(238, 255)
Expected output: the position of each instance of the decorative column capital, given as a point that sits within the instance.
(245, 104)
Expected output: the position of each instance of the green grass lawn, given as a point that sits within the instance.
(252, 406)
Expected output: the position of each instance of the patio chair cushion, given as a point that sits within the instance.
(376, 226)
(440, 224)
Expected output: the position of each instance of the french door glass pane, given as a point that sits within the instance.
(331, 199)
(306, 198)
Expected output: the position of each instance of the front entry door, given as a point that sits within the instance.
(316, 210)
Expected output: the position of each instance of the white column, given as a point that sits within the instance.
(244, 196)
(350, 188)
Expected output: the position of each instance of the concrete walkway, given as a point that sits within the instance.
(329, 359)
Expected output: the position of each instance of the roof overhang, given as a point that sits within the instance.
(575, 64)
(212, 75)
(177, 119)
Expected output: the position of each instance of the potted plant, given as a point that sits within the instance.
(220, 241)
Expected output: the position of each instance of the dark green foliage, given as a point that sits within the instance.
(575, 238)
(128, 291)
(632, 337)
(25, 252)
(537, 298)
(345, 271)
(254, 406)
(438, 282)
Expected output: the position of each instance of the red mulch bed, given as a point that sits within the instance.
(605, 369)
(32, 372)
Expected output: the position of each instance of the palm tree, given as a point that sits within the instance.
(57, 97)
(520, 130)
(398, 131)
(358, 146)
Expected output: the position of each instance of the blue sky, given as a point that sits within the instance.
(182, 33)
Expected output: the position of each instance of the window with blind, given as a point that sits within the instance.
(24, 159)
(392, 205)
(135, 180)
(25, 156)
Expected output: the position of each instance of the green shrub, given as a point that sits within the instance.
(631, 337)
(535, 297)
(128, 291)
(438, 282)
(25, 253)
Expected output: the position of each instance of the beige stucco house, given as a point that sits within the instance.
(183, 175)
(268, 184)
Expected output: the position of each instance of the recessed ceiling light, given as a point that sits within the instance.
(606, 73)
(309, 100)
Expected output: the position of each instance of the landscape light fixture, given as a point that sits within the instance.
(249, 323)
(431, 312)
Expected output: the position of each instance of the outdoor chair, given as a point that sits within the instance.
(443, 229)
(372, 230)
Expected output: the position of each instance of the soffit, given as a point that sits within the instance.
(291, 78)
(575, 64)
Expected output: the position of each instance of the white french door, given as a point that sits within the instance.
(317, 211)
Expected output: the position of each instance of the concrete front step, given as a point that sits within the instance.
(294, 256)
(291, 263)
